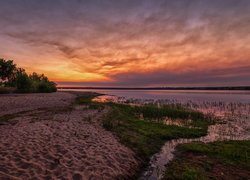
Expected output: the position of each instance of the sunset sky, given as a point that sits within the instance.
(135, 43)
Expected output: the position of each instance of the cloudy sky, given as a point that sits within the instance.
(138, 43)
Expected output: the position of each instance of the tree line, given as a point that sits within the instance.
(16, 78)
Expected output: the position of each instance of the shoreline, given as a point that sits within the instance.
(229, 88)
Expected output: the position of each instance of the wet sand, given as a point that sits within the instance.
(59, 143)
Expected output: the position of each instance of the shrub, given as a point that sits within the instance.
(12, 76)
(46, 87)
(6, 90)
(23, 83)
(7, 68)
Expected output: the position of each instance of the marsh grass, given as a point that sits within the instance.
(231, 152)
(145, 137)
(212, 160)
(86, 99)
(152, 112)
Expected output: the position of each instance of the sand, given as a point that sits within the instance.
(60, 144)
(10, 104)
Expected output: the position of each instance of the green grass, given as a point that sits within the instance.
(230, 152)
(145, 137)
(184, 171)
(86, 99)
(210, 161)
(152, 112)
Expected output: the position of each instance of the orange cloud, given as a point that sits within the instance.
(90, 43)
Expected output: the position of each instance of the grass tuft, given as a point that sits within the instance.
(217, 160)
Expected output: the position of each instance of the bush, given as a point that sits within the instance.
(6, 90)
(7, 68)
(42, 84)
(46, 87)
(17, 78)
(23, 83)
(26, 85)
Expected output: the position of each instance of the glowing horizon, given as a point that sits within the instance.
(130, 43)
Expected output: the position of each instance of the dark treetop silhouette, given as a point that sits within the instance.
(16, 79)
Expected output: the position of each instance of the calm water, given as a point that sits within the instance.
(179, 95)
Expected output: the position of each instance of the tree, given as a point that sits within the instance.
(11, 76)
(7, 68)
(38, 77)
(12, 81)
(22, 81)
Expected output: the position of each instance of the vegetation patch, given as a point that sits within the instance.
(145, 137)
(218, 160)
(152, 112)
(6, 119)
(9, 118)
(16, 79)
(7, 90)
(86, 99)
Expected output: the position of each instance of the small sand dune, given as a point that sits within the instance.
(62, 145)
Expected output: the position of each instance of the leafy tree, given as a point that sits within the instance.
(12, 81)
(41, 83)
(38, 77)
(23, 82)
(7, 69)
(11, 76)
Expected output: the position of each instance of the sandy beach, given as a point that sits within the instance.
(52, 139)
(14, 103)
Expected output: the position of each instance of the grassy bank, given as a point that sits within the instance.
(218, 160)
(175, 112)
(146, 137)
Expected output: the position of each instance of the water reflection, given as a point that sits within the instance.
(180, 95)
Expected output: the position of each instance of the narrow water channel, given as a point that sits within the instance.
(218, 132)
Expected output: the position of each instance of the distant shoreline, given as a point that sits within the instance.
(245, 88)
